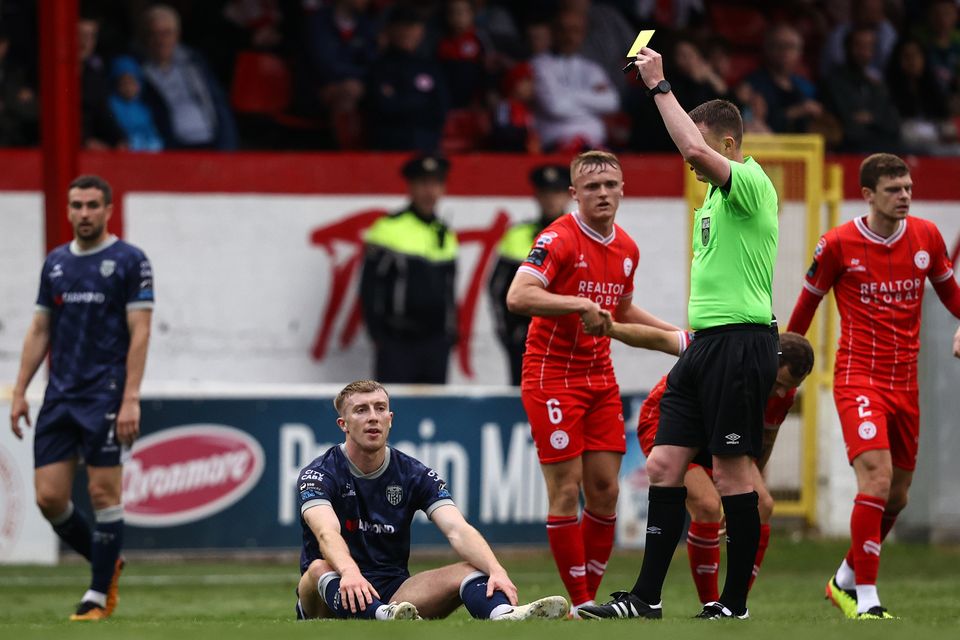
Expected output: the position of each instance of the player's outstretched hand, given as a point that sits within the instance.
(19, 408)
(356, 591)
(500, 581)
(650, 65)
(128, 422)
(956, 344)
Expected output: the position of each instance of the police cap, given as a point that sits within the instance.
(550, 177)
(426, 166)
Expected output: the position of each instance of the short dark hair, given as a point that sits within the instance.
(357, 386)
(796, 354)
(595, 159)
(93, 182)
(720, 116)
(881, 165)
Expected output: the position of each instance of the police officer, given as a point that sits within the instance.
(551, 184)
(407, 283)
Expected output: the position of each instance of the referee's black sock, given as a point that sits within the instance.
(665, 519)
(743, 536)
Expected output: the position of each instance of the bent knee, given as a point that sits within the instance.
(565, 499)
(765, 506)
(705, 508)
(661, 471)
(52, 503)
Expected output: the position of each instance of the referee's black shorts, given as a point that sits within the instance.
(717, 391)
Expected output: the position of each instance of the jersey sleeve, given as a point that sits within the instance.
(777, 409)
(825, 268)
(45, 294)
(749, 189)
(941, 269)
(314, 488)
(431, 491)
(139, 282)
(549, 255)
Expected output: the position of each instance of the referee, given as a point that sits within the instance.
(715, 394)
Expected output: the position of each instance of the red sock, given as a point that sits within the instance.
(703, 552)
(597, 532)
(761, 549)
(865, 539)
(886, 524)
(566, 545)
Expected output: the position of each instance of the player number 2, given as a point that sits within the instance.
(864, 402)
(554, 414)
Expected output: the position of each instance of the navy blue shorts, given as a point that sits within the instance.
(70, 428)
(386, 586)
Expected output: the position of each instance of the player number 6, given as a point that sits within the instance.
(554, 414)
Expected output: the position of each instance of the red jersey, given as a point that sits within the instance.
(879, 284)
(570, 258)
(773, 416)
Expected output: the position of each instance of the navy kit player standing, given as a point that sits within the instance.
(93, 317)
(357, 502)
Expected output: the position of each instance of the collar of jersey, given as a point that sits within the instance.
(77, 251)
(593, 235)
(873, 237)
(355, 471)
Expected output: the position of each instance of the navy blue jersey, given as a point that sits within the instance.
(375, 510)
(88, 294)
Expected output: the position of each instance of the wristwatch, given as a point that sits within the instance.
(661, 87)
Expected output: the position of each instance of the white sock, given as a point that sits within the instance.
(867, 597)
(575, 609)
(846, 579)
(499, 610)
(381, 613)
(95, 597)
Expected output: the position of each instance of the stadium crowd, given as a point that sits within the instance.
(466, 75)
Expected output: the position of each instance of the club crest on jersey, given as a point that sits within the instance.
(107, 267)
(705, 231)
(627, 266)
(921, 259)
(394, 494)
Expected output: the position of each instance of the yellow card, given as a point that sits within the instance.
(643, 38)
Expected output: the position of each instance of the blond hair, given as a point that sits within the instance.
(595, 160)
(357, 386)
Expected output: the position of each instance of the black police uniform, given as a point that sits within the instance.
(514, 247)
(407, 288)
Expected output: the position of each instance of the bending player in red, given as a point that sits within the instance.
(876, 265)
(581, 264)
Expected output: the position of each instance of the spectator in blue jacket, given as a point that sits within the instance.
(128, 108)
(188, 106)
(407, 98)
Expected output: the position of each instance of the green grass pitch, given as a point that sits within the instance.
(240, 601)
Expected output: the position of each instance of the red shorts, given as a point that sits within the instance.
(567, 422)
(880, 419)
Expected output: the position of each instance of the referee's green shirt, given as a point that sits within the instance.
(734, 251)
